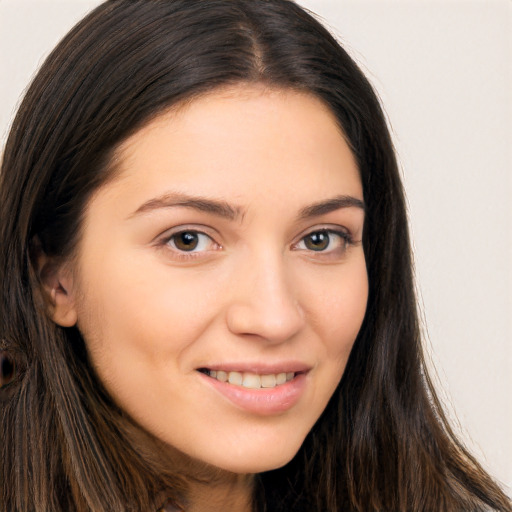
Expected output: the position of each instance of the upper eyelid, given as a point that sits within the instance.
(330, 228)
(205, 230)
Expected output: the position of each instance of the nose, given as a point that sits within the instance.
(263, 302)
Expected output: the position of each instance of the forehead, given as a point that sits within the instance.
(241, 142)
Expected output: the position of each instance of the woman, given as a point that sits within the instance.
(207, 295)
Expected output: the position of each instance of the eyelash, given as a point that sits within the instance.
(170, 242)
(345, 238)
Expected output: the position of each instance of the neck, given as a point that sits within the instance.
(233, 493)
(201, 487)
(210, 489)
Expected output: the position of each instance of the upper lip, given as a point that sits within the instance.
(258, 367)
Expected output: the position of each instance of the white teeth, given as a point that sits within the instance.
(280, 378)
(222, 376)
(235, 378)
(268, 381)
(251, 380)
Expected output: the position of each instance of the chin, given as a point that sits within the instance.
(258, 463)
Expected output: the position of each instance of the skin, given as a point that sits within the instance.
(252, 291)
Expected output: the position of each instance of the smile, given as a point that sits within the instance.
(250, 380)
(258, 390)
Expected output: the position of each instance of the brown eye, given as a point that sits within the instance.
(190, 241)
(318, 241)
(325, 241)
(186, 241)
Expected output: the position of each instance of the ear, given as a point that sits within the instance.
(57, 283)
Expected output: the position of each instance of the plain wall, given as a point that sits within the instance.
(444, 72)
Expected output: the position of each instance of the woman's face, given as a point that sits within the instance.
(228, 247)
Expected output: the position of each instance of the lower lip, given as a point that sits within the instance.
(263, 401)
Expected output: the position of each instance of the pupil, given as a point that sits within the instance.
(186, 241)
(317, 241)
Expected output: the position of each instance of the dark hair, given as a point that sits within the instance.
(382, 443)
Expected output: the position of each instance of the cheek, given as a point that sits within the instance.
(136, 315)
(337, 308)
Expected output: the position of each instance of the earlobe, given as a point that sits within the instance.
(56, 286)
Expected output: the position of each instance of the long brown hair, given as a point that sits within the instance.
(383, 442)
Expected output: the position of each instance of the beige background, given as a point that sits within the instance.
(444, 72)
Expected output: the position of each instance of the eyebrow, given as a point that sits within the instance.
(331, 205)
(204, 204)
(225, 210)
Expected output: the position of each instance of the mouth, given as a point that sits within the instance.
(250, 380)
(257, 390)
